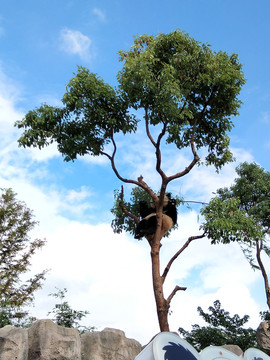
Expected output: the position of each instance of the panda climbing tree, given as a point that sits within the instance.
(148, 224)
(178, 92)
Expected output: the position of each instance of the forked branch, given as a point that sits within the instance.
(177, 288)
(139, 183)
(189, 240)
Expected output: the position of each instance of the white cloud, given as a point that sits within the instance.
(75, 43)
(100, 14)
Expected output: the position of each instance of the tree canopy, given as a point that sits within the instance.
(181, 84)
(241, 213)
(222, 329)
(185, 94)
(16, 251)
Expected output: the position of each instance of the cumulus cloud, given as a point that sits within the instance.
(75, 43)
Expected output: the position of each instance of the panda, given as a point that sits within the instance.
(148, 225)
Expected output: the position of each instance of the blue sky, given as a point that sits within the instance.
(42, 42)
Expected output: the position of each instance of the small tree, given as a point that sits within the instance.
(222, 329)
(187, 94)
(65, 316)
(16, 250)
(242, 213)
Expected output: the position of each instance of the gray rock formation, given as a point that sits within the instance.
(109, 344)
(263, 335)
(45, 340)
(13, 343)
(48, 341)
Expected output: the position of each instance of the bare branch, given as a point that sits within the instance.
(158, 153)
(156, 144)
(259, 246)
(177, 288)
(148, 130)
(196, 157)
(189, 240)
(122, 205)
(111, 158)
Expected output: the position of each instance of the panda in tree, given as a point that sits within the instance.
(148, 225)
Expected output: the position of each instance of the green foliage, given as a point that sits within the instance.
(122, 209)
(121, 221)
(265, 315)
(225, 222)
(92, 112)
(65, 316)
(16, 250)
(180, 83)
(183, 84)
(222, 329)
(242, 212)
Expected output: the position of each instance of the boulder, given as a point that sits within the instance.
(234, 349)
(49, 341)
(263, 335)
(13, 343)
(109, 344)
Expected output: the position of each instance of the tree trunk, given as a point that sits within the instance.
(259, 247)
(161, 302)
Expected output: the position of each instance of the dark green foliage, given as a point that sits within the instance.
(16, 250)
(265, 315)
(65, 316)
(222, 329)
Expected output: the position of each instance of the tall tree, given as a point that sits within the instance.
(242, 213)
(16, 251)
(222, 329)
(187, 94)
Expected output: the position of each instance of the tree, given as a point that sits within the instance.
(187, 94)
(16, 251)
(222, 329)
(65, 316)
(241, 213)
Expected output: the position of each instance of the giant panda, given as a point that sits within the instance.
(148, 225)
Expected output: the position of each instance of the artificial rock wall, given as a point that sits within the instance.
(45, 340)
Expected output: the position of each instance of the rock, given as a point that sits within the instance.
(13, 343)
(263, 335)
(49, 341)
(109, 344)
(234, 349)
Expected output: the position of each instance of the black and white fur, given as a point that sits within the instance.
(148, 225)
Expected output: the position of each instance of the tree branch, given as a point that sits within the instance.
(148, 130)
(156, 144)
(259, 246)
(196, 157)
(158, 153)
(189, 240)
(177, 288)
(140, 183)
(122, 205)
